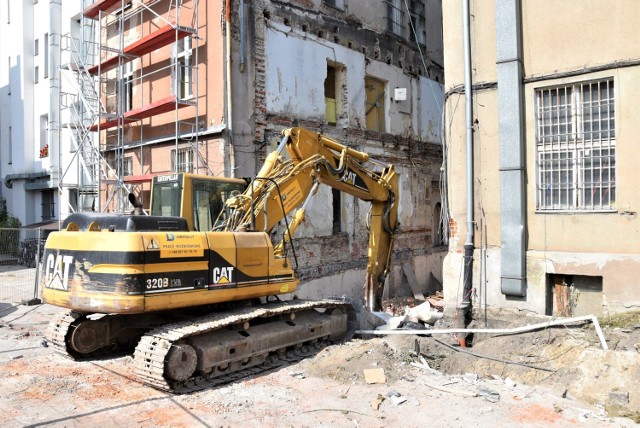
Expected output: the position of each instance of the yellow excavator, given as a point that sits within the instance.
(194, 285)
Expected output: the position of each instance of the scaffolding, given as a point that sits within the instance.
(120, 71)
(80, 107)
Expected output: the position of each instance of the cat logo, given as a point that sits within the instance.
(222, 275)
(56, 271)
(349, 178)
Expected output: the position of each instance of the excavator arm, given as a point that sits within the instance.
(284, 184)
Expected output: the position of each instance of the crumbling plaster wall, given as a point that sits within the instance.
(295, 72)
(291, 51)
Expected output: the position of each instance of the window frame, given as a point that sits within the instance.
(575, 145)
(394, 17)
(48, 202)
(183, 80)
(418, 22)
(127, 165)
(128, 81)
(45, 48)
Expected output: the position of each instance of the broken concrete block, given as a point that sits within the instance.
(619, 398)
(509, 382)
(374, 376)
(424, 313)
(470, 377)
(489, 394)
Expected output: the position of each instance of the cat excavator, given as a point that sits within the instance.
(193, 287)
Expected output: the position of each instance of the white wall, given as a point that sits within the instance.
(28, 101)
(297, 69)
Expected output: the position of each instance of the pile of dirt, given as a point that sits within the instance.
(567, 359)
(346, 362)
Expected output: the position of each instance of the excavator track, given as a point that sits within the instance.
(57, 332)
(167, 349)
(81, 336)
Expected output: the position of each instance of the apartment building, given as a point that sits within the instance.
(38, 169)
(554, 222)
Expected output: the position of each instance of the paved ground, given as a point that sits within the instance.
(42, 389)
(17, 283)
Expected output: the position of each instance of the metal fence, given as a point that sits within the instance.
(20, 254)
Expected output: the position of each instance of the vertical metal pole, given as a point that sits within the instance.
(35, 286)
(468, 245)
(228, 167)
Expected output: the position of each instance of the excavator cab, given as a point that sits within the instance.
(196, 198)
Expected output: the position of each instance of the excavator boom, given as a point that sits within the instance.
(283, 184)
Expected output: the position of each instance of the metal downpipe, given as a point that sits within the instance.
(228, 165)
(468, 244)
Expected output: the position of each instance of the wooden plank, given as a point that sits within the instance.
(158, 107)
(413, 281)
(162, 37)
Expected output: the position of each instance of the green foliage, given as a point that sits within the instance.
(9, 239)
(621, 320)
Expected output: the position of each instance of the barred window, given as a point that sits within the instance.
(576, 147)
(183, 162)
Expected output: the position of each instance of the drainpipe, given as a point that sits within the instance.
(55, 8)
(468, 244)
(241, 18)
(512, 148)
(227, 141)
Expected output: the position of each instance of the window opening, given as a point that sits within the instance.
(46, 56)
(337, 210)
(575, 142)
(44, 128)
(183, 74)
(330, 95)
(416, 11)
(48, 205)
(127, 86)
(10, 161)
(128, 165)
(182, 160)
(375, 104)
(395, 16)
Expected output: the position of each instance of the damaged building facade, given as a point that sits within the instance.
(157, 87)
(353, 71)
(555, 199)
